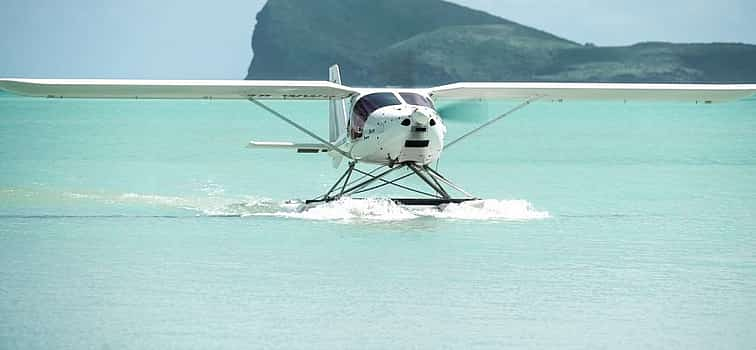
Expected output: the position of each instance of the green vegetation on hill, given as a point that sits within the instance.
(429, 42)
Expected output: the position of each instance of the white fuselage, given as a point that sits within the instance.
(407, 130)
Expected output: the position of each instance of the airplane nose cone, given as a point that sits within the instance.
(420, 118)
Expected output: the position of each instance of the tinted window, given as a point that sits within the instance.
(416, 99)
(369, 103)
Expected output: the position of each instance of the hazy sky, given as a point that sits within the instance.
(195, 39)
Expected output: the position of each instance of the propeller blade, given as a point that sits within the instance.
(464, 111)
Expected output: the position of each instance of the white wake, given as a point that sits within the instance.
(346, 209)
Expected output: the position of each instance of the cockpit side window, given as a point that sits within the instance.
(366, 105)
(416, 99)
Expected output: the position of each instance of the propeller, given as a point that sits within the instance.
(468, 111)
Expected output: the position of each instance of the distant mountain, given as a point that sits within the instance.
(430, 42)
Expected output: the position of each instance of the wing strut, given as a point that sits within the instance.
(301, 128)
(515, 109)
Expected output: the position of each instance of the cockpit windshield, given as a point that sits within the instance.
(416, 99)
(366, 105)
(369, 103)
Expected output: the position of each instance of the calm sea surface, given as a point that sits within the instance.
(147, 224)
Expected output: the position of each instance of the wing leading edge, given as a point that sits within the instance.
(177, 89)
(704, 93)
(324, 90)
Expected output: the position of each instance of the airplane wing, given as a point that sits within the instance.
(703, 93)
(177, 89)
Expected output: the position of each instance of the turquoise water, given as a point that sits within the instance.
(147, 224)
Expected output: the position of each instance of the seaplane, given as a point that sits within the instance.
(388, 129)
